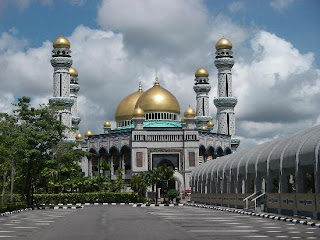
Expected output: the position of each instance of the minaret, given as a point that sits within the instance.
(61, 62)
(202, 89)
(74, 89)
(225, 102)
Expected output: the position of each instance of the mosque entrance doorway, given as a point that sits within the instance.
(172, 161)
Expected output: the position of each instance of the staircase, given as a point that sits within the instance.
(259, 200)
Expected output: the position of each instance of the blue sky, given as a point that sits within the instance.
(297, 22)
(117, 43)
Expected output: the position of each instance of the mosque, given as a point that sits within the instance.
(280, 176)
(150, 131)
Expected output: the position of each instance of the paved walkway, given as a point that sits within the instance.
(156, 223)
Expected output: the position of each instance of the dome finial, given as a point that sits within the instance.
(61, 42)
(223, 43)
(140, 87)
(201, 72)
(156, 83)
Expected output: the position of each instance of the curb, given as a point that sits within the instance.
(157, 205)
(263, 215)
(13, 212)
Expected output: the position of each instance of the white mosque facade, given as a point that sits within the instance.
(149, 128)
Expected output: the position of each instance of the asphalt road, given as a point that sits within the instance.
(126, 222)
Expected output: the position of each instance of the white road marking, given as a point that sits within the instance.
(309, 232)
(257, 236)
(224, 231)
(271, 227)
(7, 236)
(244, 226)
(274, 231)
(282, 236)
(6, 231)
(25, 227)
(294, 232)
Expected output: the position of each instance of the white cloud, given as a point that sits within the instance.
(236, 6)
(6, 100)
(151, 26)
(276, 85)
(280, 5)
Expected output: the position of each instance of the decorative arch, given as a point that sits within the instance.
(210, 153)
(93, 162)
(104, 165)
(202, 154)
(115, 160)
(227, 151)
(219, 152)
(126, 163)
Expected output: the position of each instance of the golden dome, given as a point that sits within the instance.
(126, 107)
(158, 99)
(223, 43)
(203, 127)
(73, 72)
(189, 113)
(107, 124)
(88, 133)
(78, 136)
(201, 72)
(210, 124)
(61, 42)
(138, 112)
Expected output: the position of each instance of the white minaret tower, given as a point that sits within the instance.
(202, 89)
(74, 89)
(225, 102)
(61, 62)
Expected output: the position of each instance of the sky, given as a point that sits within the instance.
(116, 44)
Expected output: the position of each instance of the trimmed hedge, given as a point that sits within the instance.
(95, 197)
(9, 207)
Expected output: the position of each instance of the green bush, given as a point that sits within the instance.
(172, 193)
(9, 207)
(16, 198)
(3, 208)
(95, 197)
(15, 206)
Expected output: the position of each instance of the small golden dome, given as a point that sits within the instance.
(210, 124)
(107, 124)
(203, 127)
(138, 112)
(61, 42)
(189, 113)
(73, 72)
(201, 72)
(126, 107)
(223, 43)
(158, 99)
(88, 133)
(78, 136)
(182, 120)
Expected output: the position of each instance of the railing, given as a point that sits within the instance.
(248, 198)
(253, 197)
(255, 200)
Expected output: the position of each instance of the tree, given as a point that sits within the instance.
(139, 184)
(41, 131)
(11, 143)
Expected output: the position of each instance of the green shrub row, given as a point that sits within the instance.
(9, 207)
(95, 197)
(16, 198)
